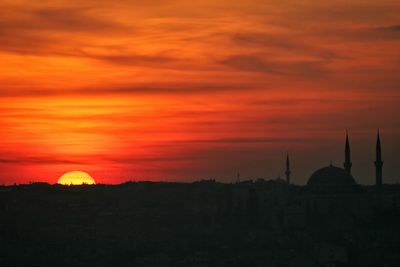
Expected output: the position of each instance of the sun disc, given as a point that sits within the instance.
(76, 178)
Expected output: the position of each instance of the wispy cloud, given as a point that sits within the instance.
(257, 63)
(43, 31)
(132, 89)
(36, 160)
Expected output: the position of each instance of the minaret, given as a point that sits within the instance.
(347, 161)
(378, 170)
(287, 172)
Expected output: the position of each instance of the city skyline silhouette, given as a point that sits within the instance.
(347, 165)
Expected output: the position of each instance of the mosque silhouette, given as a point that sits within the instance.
(335, 179)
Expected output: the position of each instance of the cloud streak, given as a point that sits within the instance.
(257, 63)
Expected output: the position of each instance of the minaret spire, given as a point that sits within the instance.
(287, 172)
(378, 170)
(347, 159)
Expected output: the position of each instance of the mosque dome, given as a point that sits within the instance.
(331, 176)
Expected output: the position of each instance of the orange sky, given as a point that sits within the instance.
(182, 90)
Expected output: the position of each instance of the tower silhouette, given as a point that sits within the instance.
(347, 160)
(287, 172)
(378, 170)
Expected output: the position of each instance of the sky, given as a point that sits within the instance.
(185, 90)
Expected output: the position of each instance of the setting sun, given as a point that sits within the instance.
(76, 178)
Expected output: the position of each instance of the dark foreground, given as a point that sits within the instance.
(263, 223)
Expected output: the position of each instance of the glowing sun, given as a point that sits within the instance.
(76, 178)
